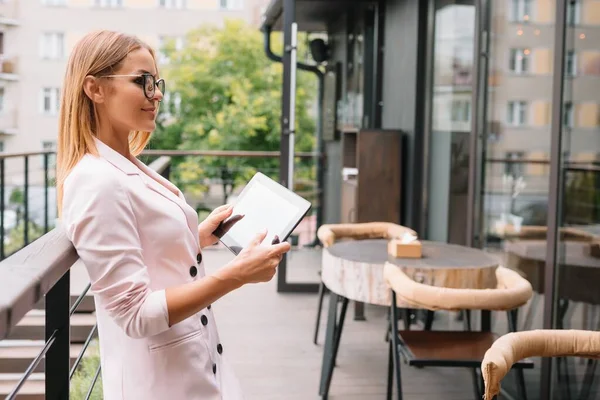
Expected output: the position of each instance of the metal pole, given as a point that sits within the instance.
(287, 116)
(554, 202)
(58, 356)
(26, 204)
(46, 182)
(2, 208)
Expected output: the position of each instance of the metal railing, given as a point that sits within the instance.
(41, 270)
(23, 182)
(580, 194)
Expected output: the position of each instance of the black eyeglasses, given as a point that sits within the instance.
(148, 83)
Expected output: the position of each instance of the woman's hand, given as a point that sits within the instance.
(258, 263)
(210, 224)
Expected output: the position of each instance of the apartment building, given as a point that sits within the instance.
(36, 37)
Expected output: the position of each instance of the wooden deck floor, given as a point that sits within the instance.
(268, 338)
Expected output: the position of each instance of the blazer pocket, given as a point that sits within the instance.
(153, 348)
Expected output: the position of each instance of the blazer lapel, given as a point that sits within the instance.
(164, 187)
(153, 180)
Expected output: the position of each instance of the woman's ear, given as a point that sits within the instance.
(93, 89)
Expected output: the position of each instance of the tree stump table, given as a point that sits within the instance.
(353, 270)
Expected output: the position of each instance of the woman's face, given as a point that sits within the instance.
(126, 105)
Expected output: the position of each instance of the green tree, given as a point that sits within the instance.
(17, 199)
(84, 375)
(230, 100)
(15, 240)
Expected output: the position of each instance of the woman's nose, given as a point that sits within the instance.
(158, 95)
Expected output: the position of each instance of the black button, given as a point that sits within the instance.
(209, 306)
(215, 369)
(193, 271)
(199, 258)
(204, 320)
(219, 349)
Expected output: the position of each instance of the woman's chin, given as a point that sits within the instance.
(147, 127)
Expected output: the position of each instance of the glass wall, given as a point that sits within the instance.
(516, 151)
(516, 157)
(578, 253)
(450, 119)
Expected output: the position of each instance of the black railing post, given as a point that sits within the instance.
(2, 208)
(46, 178)
(26, 204)
(57, 359)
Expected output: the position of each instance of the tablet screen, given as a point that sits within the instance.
(263, 204)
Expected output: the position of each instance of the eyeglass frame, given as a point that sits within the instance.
(155, 82)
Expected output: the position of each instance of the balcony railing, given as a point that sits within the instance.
(9, 12)
(8, 67)
(518, 189)
(42, 269)
(9, 120)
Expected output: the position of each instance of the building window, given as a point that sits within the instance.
(514, 165)
(108, 3)
(179, 42)
(568, 116)
(54, 3)
(1, 146)
(517, 113)
(50, 100)
(177, 4)
(52, 46)
(231, 4)
(519, 60)
(573, 12)
(461, 111)
(520, 10)
(571, 63)
(1, 99)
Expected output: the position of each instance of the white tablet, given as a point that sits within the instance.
(262, 204)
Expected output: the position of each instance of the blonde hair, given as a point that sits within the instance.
(98, 53)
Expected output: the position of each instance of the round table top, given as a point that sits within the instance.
(570, 253)
(434, 254)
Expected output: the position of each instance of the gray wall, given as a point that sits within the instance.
(403, 86)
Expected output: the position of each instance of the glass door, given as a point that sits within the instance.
(449, 122)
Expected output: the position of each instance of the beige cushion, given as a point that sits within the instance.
(512, 347)
(512, 291)
(328, 234)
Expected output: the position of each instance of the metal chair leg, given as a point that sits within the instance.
(395, 354)
(521, 384)
(336, 344)
(476, 390)
(329, 346)
(429, 319)
(340, 326)
(322, 290)
(390, 377)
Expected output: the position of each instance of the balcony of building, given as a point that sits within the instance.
(8, 68)
(9, 13)
(9, 121)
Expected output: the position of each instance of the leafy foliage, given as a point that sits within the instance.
(230, 99)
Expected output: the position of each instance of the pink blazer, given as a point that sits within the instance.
(136, 235)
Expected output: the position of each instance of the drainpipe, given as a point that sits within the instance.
(320, 145)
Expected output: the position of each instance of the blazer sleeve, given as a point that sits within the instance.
(100, 222)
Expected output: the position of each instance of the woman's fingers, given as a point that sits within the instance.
(259, 238)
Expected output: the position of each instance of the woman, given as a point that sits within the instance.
(139, 240)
